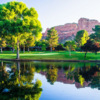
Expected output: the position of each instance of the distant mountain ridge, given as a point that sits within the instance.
(69, 30)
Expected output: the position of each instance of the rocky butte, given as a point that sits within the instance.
(68, 31)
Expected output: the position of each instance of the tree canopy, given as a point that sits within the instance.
(16, 19)
(70, 45)
(90, 46)
(81, 37)
(96, 35)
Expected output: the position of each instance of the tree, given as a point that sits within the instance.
(30, 41)
(23, 40)
(19, 82)
(2, 43)
(93, 37)
(90, 46)
(16, 19)
(70, 45)
(52, 74)
(52, 37)
(81, 80)
(60, 47)
(81, 37)
(11, 41)
(97, 33)
(43, 44)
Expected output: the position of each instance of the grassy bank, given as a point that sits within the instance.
(61, 55)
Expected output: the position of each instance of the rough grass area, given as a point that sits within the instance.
(55, 55)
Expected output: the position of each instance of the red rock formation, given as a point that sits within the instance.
(87, 24)
(61, 77)
(69, 30)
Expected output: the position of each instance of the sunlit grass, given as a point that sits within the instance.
(47, 55)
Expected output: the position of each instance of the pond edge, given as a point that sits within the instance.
(28, 60)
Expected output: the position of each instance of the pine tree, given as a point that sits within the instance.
(52, 37)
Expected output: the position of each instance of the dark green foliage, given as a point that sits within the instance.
(97, 33)
(43, 44)
(93, 36)
(90, 46)
(60, 47)
(96, 29)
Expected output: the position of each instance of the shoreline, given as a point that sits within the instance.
(28, 60)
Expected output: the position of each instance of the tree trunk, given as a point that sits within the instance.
(85, 54)
(17, 49)
(51, 49)
(95, 52)
(28, 49)
(70, 51)
(13, 49)
(18, 68)
(23, 49)
(24, 67)
(1, 63)
(1, 49)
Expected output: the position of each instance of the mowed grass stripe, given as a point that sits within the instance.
(61, 55)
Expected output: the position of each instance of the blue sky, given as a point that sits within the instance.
(59, 12)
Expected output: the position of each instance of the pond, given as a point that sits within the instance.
(49, 81)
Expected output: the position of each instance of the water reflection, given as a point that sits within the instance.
(83, 76)
(17, 83)
(16, 78)
(52, 74)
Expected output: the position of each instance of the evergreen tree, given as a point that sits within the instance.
(52, 37)
(96, 35)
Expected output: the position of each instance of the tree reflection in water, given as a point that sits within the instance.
(17, 83)
(85, 75)
(52, 73)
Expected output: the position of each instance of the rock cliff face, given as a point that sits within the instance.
(69, 30)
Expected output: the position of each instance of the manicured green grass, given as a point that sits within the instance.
(46, 55)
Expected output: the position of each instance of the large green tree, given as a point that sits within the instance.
(52, 37)
(81, 37)
(16, 19)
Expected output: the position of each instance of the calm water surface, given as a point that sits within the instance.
(49, 81)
